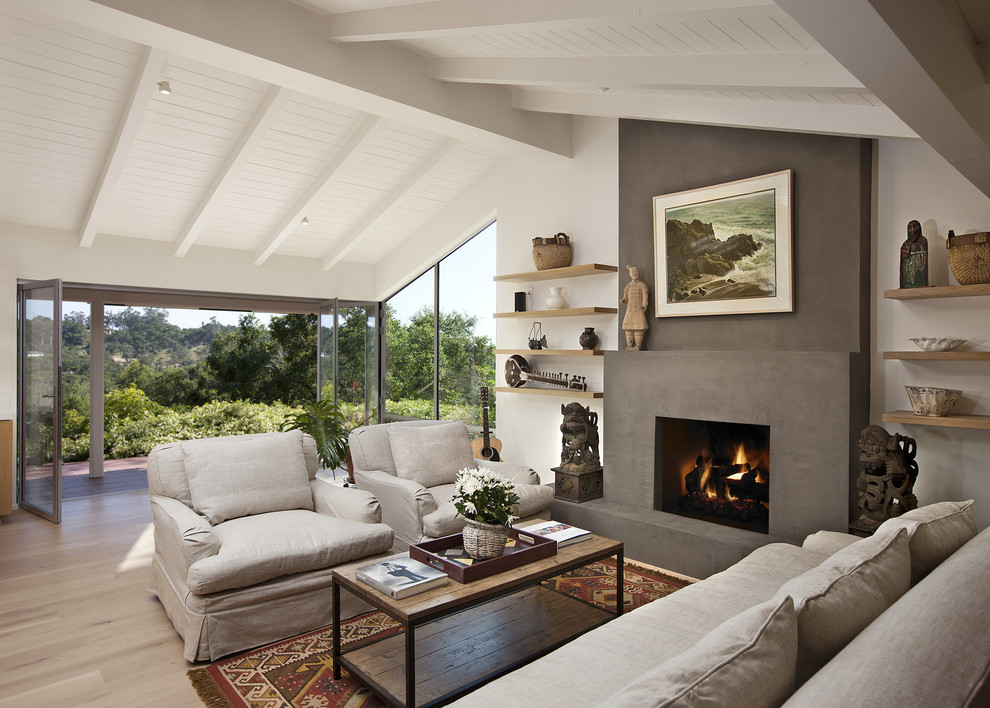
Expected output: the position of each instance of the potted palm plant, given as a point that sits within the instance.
(325, 423)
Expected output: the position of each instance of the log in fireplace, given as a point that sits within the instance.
(714, 470)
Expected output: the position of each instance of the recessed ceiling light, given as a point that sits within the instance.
(305, 221)
(164, 88)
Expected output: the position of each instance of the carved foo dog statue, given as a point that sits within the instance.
(580, 439)
(886, 481)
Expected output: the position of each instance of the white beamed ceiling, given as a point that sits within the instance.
(257, 135)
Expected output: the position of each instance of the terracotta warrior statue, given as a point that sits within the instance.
(914, 258)
(635, 297)
(886, 481)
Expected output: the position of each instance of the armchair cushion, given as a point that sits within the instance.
(254, 549)
(445, 520)
(431, 455)
(233, 477)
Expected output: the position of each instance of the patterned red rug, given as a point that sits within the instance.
(298, 673)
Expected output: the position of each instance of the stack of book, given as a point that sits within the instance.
(401, 577)
(563, 534)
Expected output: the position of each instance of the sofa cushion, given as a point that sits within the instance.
(431, 455)
(840, 597)
(748, 660)
(233, 477)
(935, 532)
(931, 648)
(671, 625)
(257, 548)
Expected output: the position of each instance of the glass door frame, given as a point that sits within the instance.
(55, 513)
(333, 307)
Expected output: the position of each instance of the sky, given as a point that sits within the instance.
(466, 284)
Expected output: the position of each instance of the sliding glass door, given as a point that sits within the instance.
(40, 399)
(349, 359)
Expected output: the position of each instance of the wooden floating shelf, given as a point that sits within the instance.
(552, 273)
(937, 292)
(566, 312)
(972, 422)
(552, 352)
(565, 392)
(937, 356)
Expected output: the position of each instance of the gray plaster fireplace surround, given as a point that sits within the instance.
(803, 374)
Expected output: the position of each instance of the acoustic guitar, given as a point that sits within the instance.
(486, 447)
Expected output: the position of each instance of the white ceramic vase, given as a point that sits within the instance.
(556, 301)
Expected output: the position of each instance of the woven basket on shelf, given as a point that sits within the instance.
(969, 257)
(483, 541)
(554, 252)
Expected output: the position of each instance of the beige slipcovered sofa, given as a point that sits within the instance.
(898, 619)
(411, 467)
(246, 538)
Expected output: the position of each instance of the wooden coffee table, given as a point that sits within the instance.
(457, 636)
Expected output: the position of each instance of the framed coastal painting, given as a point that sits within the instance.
(724, 249)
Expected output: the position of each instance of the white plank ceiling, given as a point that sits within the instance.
(240, 153)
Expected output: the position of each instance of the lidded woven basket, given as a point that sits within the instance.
(553, 252)
(969, 257)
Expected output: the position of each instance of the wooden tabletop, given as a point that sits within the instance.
(453, 596)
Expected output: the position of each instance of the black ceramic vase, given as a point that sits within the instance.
(588, 338)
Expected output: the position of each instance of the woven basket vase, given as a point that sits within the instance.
(553, 252)
(969, 257)
(483, 541)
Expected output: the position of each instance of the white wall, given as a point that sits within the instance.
(38, 254)
(580, 198)
(915, 183)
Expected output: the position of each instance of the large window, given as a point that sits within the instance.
(440, 337)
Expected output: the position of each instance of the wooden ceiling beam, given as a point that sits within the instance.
(790, 71)
(353, 149)
(827, 119)
(451, 17)
(348, 242)
(923, 63)
(262, 119)
(148, 73)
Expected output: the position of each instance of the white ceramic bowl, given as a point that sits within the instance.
(931, 401)
(937, 344)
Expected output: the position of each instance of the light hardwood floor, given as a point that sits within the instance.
(79, 625)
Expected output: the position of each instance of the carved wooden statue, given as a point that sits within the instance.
(914, 258)
(580, 439)
(886, 481)
(635, 296)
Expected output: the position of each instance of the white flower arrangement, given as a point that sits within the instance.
(485, 496)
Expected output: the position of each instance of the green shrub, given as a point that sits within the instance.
(418, 408)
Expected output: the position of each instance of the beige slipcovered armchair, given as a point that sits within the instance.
(246, 538)
(411, 467)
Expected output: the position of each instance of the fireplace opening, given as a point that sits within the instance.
(715, 471)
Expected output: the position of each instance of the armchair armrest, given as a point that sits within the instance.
(520, 474)
(828, 542)
(404, 502)
(345, 503)
(182, 536)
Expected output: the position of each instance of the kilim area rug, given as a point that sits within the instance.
(298, 672)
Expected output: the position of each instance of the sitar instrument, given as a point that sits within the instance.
(518, 373)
